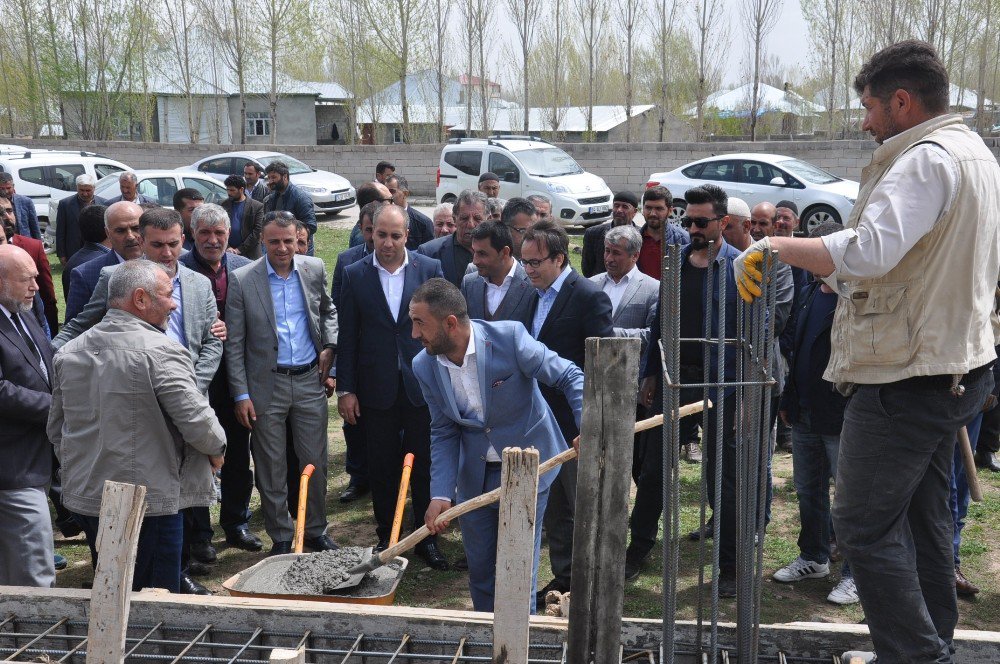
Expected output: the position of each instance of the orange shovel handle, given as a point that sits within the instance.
(300, 519)
(404, 486)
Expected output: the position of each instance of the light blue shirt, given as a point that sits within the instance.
(545, 299)
(175, 325)
(295, 345)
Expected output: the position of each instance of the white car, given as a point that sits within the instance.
(47, 176)
(330, 192)
(526, 165)
(159, 185)
(756, 178)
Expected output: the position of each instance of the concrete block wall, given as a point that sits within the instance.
(622, 165)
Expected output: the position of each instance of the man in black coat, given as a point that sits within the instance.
(421, 228)
(68, 236)
(623, 210)
(95, 242)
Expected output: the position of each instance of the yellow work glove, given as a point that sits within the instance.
(747, 269)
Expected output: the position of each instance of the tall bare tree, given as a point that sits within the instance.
(759, 18)
(708, 35)
(525, 15)
(442, 11)
(235, 39)
(592, 16)
(631, 15)
(666, 14)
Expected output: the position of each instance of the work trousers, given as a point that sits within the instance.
(391, 433)
(158, 554)
(26, 554)
(892, 516)
(301, 401)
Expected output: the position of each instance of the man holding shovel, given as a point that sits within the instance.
(480, 380)
(912, 341)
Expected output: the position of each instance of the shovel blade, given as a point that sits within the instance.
(357, 573)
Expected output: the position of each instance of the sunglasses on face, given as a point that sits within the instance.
(700, 222)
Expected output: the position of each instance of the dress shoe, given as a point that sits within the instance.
(279, 548)
(353, 492)
(242, 538)
(707, 532)
(727, 584)
(321, 543)
(194, 568)
(462, 564)
(964, 587)
(60, 561)
(68, 528)
(432, 555)
(987, 461)
(554, 584)
(381, 546)
(203, 551)
(635, 557)
(191, 587)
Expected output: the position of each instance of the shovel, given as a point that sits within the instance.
(417, 536)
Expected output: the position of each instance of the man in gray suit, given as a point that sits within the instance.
(633, 294)
(282, 343)
(499, 289)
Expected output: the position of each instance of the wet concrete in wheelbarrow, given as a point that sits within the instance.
(319, 573)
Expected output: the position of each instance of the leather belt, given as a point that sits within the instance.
(296, 370)
(941, 381)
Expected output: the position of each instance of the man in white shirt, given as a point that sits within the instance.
(912, 340)
(499, 289)
(633, 294)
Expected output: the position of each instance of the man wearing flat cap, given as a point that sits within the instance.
(623, 210)
(489, 184)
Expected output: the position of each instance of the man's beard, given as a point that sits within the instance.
(698, 242)
(440, 344)
(12, 304)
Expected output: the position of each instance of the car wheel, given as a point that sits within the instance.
(449, 198)
(819, 215)
(677, 211)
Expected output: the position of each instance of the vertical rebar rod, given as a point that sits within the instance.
(718, 271)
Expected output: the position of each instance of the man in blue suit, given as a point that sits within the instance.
(121, 221)
(480, 380)
(375, 383)
(455, 250)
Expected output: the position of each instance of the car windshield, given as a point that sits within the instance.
(548, 162)
(808, 172)
(295, 167)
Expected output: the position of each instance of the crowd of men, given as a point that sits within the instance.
(200, 337)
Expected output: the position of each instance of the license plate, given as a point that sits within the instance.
(341, 197)
(598, 209)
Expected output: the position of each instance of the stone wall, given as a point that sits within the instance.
(623, 166)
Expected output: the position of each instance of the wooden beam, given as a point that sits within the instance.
(122, 509)
(515, 555)
(602, 503)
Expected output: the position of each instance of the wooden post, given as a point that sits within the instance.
(515, 555)
(283, 656)
(122, 509)
(602, 501)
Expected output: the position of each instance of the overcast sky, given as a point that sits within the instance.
(789, 40)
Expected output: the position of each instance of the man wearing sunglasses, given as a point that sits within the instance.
(705, 219)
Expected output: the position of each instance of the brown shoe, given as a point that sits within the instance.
(964, 587)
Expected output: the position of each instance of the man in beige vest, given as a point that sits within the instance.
(913, 338)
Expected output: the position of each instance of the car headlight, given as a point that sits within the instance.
(313, 190)
(558, 188)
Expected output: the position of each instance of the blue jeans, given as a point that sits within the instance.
(158, 555)
(892, 514)
(479, 537)
(960, 486)
(814, 462)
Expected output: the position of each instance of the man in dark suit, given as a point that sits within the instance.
(121, 222)
(26, 370)
(209, 224)
(95, 242)
(256, 187)
(356, 461)
(623, 209)
(420, 226)
(375, 382)
(500, 289)
(128, 184)
(246, 218)
(36, 250)
(455, 251)
(68, 239)
(24, 208)
(568, 309)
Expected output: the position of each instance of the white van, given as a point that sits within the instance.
(44, 175)
(526, 165)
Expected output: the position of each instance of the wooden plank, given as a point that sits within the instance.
(515, 555)
(283, 656)
(122, 509)
(601, 527)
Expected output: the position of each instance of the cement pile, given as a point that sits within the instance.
(319, 573)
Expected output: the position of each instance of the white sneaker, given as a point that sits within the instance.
(845, 592)
(799, 569)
